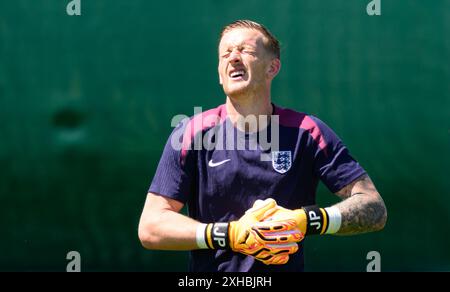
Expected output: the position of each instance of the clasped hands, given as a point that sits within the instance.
(268, 232)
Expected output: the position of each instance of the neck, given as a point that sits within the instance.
(243, 110)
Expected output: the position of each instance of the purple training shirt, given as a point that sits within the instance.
(220, 185)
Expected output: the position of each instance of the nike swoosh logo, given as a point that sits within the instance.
(215, 164)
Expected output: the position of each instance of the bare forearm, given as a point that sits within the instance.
(163, 227)
(170, 231)
(361, 214)
(362, 209)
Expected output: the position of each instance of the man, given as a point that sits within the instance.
(247, 213)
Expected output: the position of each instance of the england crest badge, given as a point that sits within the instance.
(281, 161)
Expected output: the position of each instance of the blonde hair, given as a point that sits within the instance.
(272, 45)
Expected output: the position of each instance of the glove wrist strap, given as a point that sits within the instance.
(322, 221)
(317, 220)
(216, 235)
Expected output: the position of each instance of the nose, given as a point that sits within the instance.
(235, 57)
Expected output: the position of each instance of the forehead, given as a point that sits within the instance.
(242, 36)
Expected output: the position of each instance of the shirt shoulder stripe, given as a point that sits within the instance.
(200, 123)
(294, 119)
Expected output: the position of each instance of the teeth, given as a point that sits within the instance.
(237, 73)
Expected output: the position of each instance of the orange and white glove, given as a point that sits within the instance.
(270, 242)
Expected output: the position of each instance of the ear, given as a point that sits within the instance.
(274, 68)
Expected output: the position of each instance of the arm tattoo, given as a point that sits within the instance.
(362, 208)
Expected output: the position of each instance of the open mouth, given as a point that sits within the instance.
(237, 74)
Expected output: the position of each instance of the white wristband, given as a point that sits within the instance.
(334, 219)
(200, 236)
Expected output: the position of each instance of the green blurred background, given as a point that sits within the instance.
(86, 104)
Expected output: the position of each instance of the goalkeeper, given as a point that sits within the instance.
(247, 213)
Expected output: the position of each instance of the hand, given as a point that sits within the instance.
(269, 241)
(279, 213)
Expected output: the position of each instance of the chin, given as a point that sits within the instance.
(235, 91)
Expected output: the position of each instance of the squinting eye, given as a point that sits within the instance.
(226, 54)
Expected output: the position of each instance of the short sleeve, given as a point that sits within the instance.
(333, 163)
(175, 173)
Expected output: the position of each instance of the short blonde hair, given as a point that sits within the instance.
(272, 45)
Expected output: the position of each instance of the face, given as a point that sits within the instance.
(245, 66)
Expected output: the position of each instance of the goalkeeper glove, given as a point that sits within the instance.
(271, 242)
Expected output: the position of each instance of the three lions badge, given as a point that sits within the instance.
(281, 161)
